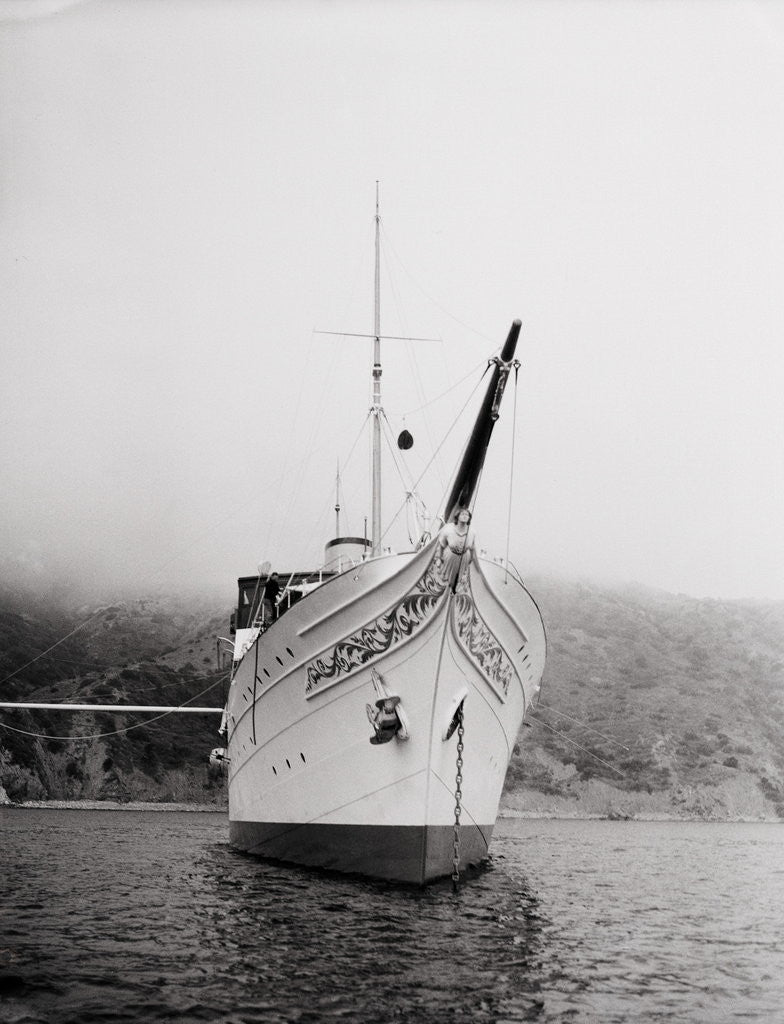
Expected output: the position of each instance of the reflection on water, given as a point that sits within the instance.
(329, 946)
(311, 946)
(151, 917)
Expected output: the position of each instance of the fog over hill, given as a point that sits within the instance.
(652, 704)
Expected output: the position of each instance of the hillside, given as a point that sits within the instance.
(653, 704)
(151, 651)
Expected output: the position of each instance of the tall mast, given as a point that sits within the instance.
(376, 407)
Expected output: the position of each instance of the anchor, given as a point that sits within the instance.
(387, 716)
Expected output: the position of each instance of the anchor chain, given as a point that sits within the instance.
(458, 800)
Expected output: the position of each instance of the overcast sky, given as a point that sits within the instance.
(188, 192)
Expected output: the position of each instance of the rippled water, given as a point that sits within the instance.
(145, 916)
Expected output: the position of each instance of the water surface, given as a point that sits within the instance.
(145, 916)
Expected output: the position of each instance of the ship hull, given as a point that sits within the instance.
(305, 783)
(415, 854)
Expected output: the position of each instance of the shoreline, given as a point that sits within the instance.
(513, 815)
(504, 813)
(114, 805)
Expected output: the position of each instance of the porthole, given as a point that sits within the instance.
(288, 762)
(278, 660)
(303, 757)
(291, 653)
(274, 770)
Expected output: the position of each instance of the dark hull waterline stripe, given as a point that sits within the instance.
(400, 853)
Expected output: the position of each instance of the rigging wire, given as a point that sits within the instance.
(312, 454)
(210, 530)
(579, 746)
(113, 711)
(511, 476)
(474, 369)
(435, 454)
(235, 510)
(83, 666)
(111, 677)
(315, 427)
(400, 467)
(76, 629)
(430, 298)
(413, 366)
(396, 461)
(346, 462)
(588, 728)
(459, 462)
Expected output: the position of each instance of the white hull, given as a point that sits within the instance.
(305, 783)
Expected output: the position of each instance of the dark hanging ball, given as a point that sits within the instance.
(405, 441)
